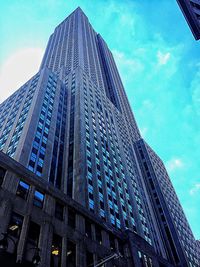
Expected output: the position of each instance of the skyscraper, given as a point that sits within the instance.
(191, 12)
(77, 170)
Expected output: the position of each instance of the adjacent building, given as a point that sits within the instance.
(78, 183)
(191, 12)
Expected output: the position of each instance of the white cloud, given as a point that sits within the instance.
(121, 58)
(127, 20)
(17, 69)
(163, 58)
(144, 131)
(147, 104)
(132, 66)
(174, 164)
(195, 189)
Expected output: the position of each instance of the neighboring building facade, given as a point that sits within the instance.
(72, 127)
(191, 12)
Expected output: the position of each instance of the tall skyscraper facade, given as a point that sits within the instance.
(73, 158)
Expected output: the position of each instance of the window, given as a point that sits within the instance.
(112, 241)
(89, 259)
(23, 189)
(38, 199)
(91, 196)
(91, 205)
(15, 224)
(88, 229)
(31, 163)
(101, 205)
(98, 234)
(56, 250)
(2, 174)
(33, 233)
(71, 254)
(59, 208)
(71, 218)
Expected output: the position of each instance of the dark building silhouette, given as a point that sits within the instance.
(191, 12)
(78, 183)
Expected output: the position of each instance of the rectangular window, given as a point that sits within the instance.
(56, 250)
(71, 253)
(33, 233)
(2, 174)
(38, 199)
(91, 205)
(88, 228)
(15, 225)
(89, 259)
(31, 163)
(112, 242)
(22, 189)
(71, 218)
(59, 208)
(98, 234)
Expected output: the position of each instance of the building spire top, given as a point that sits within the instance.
(79, 9)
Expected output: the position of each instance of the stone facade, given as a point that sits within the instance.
(93, 240)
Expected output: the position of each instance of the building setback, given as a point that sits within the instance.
(78, 183)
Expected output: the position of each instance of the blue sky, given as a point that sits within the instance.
(158, 60)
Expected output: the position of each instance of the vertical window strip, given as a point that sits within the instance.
(37, 156)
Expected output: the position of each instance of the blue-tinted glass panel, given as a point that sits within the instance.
(38, 199)
(23, 189)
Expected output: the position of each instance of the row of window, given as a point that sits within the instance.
(10, 120)
(33, 236)
(32, 241)
(173, 203)
(12, 112)
(59, 141)
(36, 161)
(107, 166)
(109, 141)
(22, 118)
(23, 190)
(71, 140)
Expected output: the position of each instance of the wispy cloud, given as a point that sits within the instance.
(163, 58)
(143, 131)
(195, 189)
(132, 64)
(174, 164)
(128, 66)
(147, 104)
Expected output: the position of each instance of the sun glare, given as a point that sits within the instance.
(17, 69)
